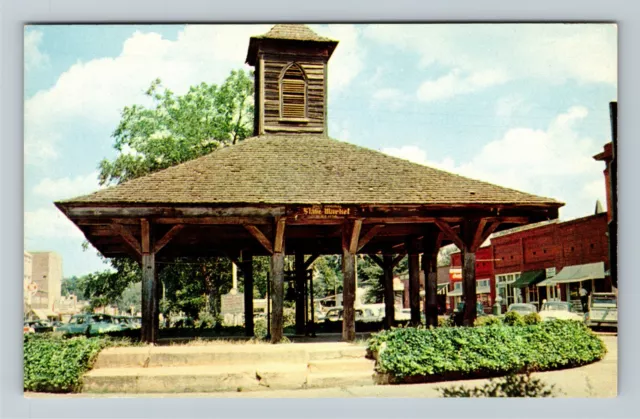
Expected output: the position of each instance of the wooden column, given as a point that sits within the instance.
(350, 237)
(469, 295)
(149, 327)
(431, 246)
(414, 282)
(348, 296)
(389, 298)
(300, 294)
(277, 313)
(247, 272)
(473, 232)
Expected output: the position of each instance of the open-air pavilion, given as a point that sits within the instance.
(293, 190)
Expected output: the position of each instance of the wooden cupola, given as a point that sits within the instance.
(290, 80)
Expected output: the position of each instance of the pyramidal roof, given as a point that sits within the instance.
(294, 32)
(306, 169)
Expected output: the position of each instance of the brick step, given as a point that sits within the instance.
(341, 365)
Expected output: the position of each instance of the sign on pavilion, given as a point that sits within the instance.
(291, 189)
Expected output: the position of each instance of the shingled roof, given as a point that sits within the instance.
(305, 169)
(295, 32)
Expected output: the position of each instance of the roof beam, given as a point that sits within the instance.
(128, 238)
(355, 235)
(311, 259)
(259, 235)
(169, 235)
(145, 235)
(450, 233)
(369, 235)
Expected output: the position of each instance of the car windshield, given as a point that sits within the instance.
(556, 306)
(102, 319)
(600, 299)
(529, 308)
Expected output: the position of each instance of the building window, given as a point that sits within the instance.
(457, 286)
(483, 283)
(293, 93)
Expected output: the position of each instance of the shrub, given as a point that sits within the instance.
(487, 321)
(260, 328)
(532, 318)
(512, 385)
(411, 354)
(513, 318)
(444, 321)
(56, 364)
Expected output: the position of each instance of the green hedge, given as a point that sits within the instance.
(416, 354)
(53, 363)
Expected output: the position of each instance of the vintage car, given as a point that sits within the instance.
(558, 310)
(37, 326)
(602, 310)
(90, 325)
(335, 315)
(523, 308)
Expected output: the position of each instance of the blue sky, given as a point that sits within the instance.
(519, 105)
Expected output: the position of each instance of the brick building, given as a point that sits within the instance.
(551, 260)
(485, 281)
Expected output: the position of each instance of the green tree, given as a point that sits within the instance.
(72, 286)
(177, 128)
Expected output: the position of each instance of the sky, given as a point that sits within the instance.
(519, 105)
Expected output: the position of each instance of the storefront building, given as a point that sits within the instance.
(551, 260)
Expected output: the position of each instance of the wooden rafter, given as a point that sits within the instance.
(369, 235)
(128, 237)
(169, 235)
(398, 258)
(311, 259)
(478, 236)
(450, 233)
(259, 235)
(278, 242)
(355, 236)
(377, 260)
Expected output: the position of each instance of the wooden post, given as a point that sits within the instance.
(389, 298)
(247, 272)
(277, 314)
(149, 327)
(414, 282)
(431, 246)
(350, 237)
(300, 293)
(348, 295)
(469, 287)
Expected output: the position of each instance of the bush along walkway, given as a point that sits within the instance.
(53, 363)
(412, 355)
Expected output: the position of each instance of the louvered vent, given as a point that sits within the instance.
(293, 94)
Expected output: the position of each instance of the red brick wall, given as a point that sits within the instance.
(573, 242)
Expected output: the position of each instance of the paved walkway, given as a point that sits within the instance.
(595, 380)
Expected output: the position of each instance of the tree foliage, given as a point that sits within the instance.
(175, 129)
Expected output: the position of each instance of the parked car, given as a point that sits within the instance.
(335, 315)
(458, 313)
(602, 310)
(37, 326)
(523, 308)
(561, 310)
(90, 325)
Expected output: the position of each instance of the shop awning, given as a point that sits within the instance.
(576, 273)
(43, 314)
(529, 278)
(456, 293)
(442, 288)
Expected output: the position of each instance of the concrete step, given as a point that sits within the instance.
(229, 354)
(195, 379)
(341, 365)
(341, 379)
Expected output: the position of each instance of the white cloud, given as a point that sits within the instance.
(48, 223)
(554, 52)
(347, 60)
(556, 163)
(33, 57)
(392, 98)
(457, 83)
(67, 187)
(94, 92)
(510, 105)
